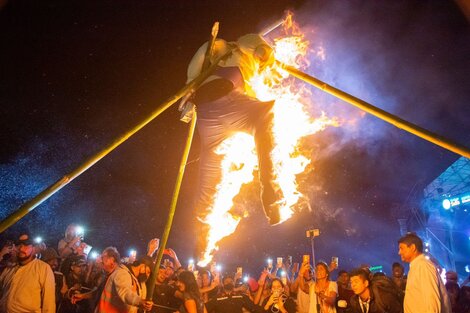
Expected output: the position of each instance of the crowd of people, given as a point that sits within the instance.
(35, 278)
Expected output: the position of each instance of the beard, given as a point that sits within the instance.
(23, 257)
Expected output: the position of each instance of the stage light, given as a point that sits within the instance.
(446, 204)
(467, 268)
(427, 244)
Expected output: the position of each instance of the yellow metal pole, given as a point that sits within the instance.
(174, 201)
(49, 191)
(384, 115)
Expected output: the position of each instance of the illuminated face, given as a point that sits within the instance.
(181, 286)
(321, 272)
(109, 263)
(343, 278)
(398, 272)
(54, 264)
(276, 287)
(308, 274)
(24, 252)
(205, 279)
(407, 253)
(358, 285)
(77, 269)
(161, 276)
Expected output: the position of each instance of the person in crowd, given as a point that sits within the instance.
(208, 287)
(452, 276)
(192, 301)
(398, 275)
(369, 299)
(323, 292)
(51, 257)
(72, 239)
(75, 283)
(278, 300)
(425, 290)
(119, 293)
(229, 301)
(453, 291)
(344, 291)
(141, 269)
(7, 255)
(463, 304)
(302, 290)
(27, 286)
(167, 298)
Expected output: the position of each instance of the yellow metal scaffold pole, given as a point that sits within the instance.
(174, 201)
(384, 115)
(49, 191)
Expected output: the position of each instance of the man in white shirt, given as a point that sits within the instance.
(29, 286)
(425, 291)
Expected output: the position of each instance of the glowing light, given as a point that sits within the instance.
(427, 244)
(94, 255)
(446, 204)
(427, 257)
(191, 261)
(245, 279)
(467, 268)
(291, 123)
(132, 253)
(218, 268)
(79, 230)
(38, 239)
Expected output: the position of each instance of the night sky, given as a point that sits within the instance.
(77, 74)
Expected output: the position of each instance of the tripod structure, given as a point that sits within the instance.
(190, 87)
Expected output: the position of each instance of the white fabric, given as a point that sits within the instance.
(332, 287)
(425, 290)
(28, 289)
(303, 301)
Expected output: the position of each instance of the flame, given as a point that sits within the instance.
(291, 123)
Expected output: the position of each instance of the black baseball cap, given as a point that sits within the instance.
(25, 240)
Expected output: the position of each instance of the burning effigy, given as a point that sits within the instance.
(252, 118)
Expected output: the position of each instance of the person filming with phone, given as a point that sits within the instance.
(278, 301)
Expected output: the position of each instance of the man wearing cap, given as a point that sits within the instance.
(29, 285)
(226, 104)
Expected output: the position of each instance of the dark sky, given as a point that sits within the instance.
(77, 74)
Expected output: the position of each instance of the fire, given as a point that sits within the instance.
(291, 123)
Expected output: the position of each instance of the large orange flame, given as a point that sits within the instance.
(291, 123)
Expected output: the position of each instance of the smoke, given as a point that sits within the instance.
(394, 55)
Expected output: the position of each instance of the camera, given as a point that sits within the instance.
(312, 233)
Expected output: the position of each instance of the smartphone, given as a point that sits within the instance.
(306, 259)
(334, 259)
(240, 270)
(279, 262)
(270, 264)
(87, 249)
